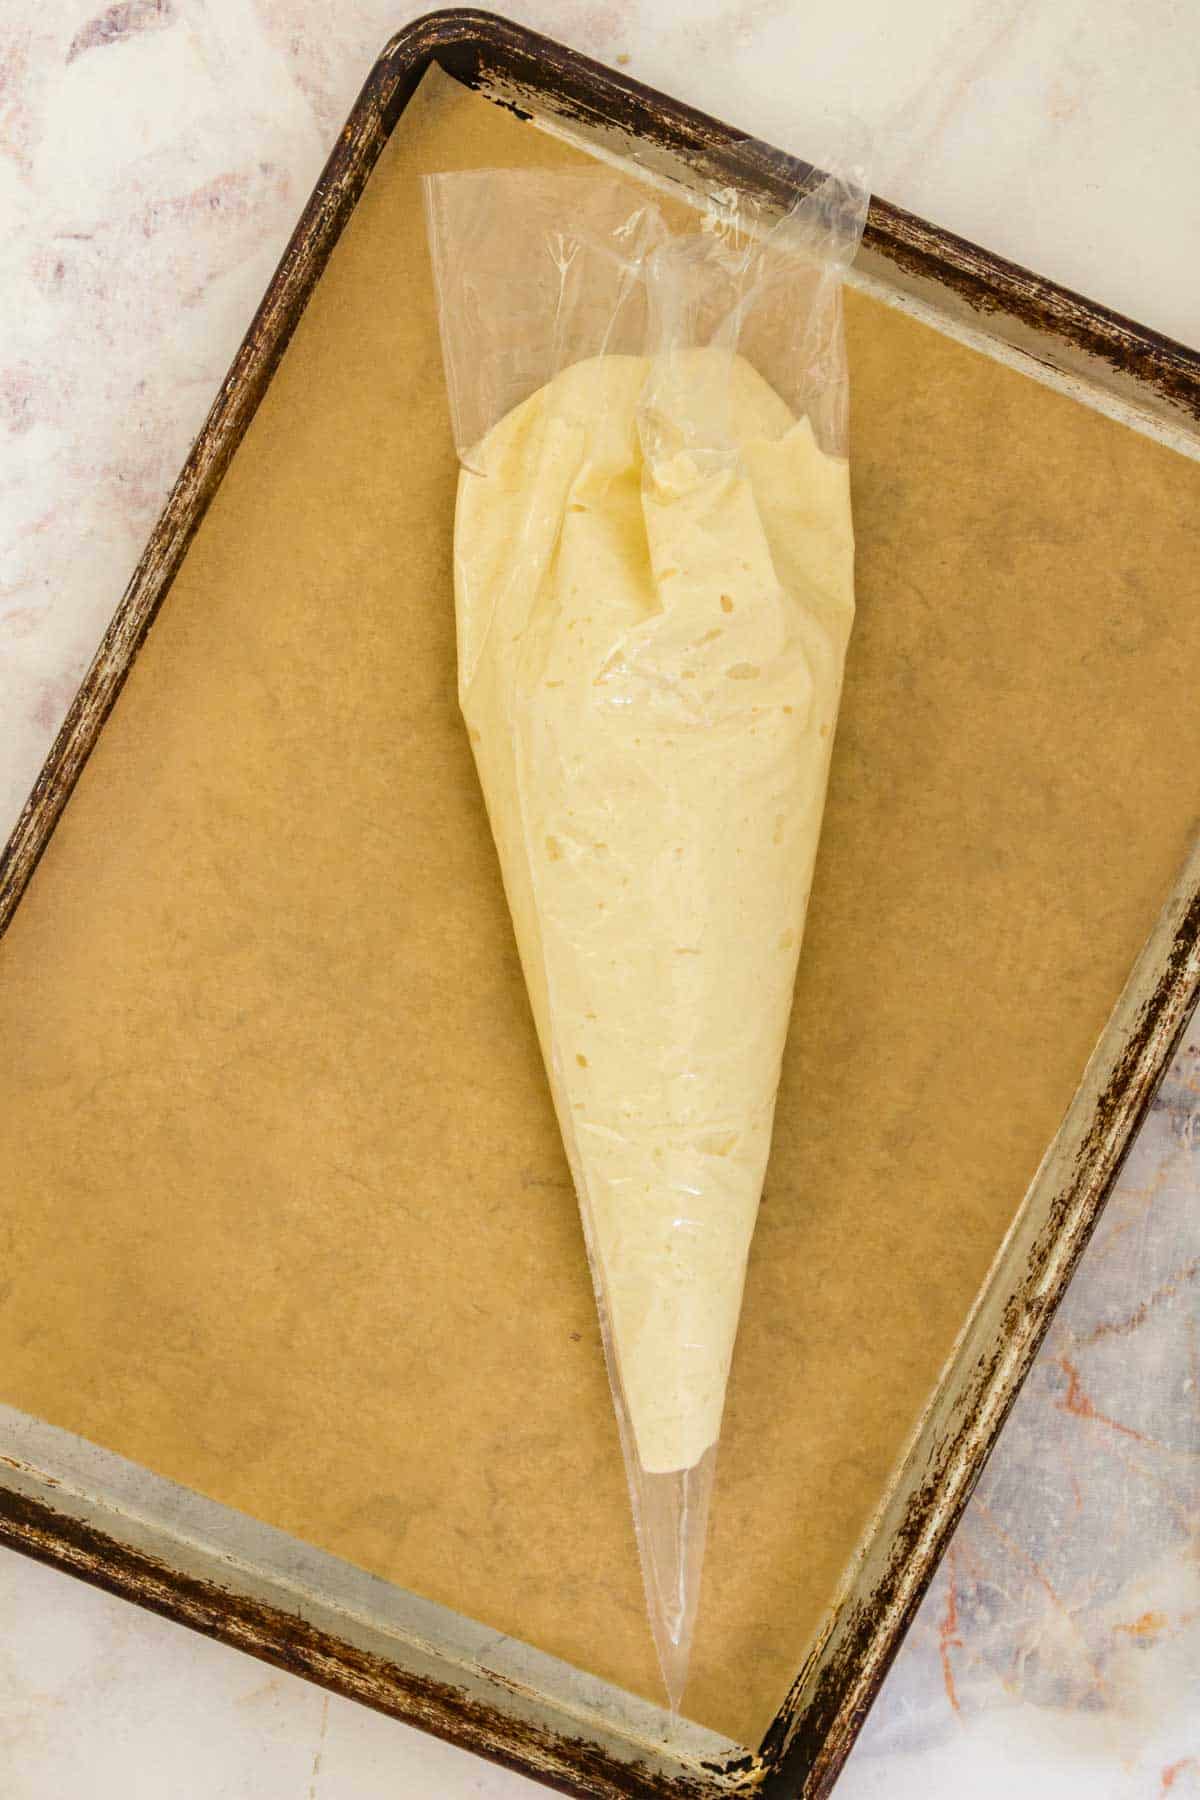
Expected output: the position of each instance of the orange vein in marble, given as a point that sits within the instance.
(948, 1638)
(1149, 1625)
(1078, 1403)
(1139, 1315)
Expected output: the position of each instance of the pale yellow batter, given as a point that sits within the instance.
(654, 585)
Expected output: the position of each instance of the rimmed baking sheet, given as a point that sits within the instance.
(289, 1219)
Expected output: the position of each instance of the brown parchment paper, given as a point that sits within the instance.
(286, 1216)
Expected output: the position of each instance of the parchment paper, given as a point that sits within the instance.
(286, 1216)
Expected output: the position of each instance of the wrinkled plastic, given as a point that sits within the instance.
(653, 583)
(538, 270)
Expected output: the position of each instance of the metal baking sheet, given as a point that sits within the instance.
(87, 1508)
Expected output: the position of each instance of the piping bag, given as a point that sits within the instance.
(653, 568)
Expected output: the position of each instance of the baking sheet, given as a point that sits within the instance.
(284, 1179)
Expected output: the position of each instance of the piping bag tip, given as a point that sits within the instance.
(671, 1512)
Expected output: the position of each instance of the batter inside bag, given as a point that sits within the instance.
(654, 592)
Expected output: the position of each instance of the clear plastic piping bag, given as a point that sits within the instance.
(653, 590)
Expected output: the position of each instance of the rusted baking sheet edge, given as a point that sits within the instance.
(90, 1513)
(477, 47)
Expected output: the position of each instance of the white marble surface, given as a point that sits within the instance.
(153, 157)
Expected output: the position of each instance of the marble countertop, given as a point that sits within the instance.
(153, 157)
